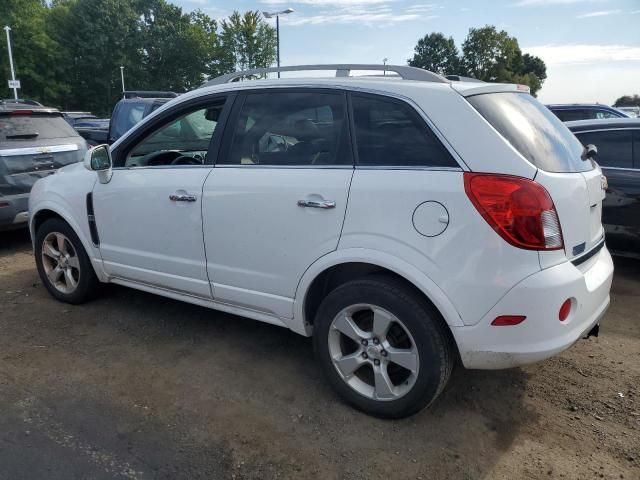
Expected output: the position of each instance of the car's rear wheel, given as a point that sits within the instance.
(382, 346)
(63, 264)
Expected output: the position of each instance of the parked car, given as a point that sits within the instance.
(34, 143)
(134, 106)
(127, 112)
(403, 223)
(618, 144)
(585, 111)
(85, 119)
(633, 112)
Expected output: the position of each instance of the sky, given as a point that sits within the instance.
(591, 47)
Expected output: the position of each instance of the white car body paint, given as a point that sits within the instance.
(263, 251)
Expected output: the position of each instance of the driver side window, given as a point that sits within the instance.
(182, 141)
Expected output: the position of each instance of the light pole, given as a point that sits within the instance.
(122, 77)
(384, 62)
(13, 73)
(277, 15)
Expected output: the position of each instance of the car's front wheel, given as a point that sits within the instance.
(382, 346)
(63, 264)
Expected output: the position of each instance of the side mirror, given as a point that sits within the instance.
(590, 152)
(98, 159)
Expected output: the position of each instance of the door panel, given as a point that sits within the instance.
(259, 241)
(145, 236)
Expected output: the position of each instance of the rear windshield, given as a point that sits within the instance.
(533, 130)
(34, 127)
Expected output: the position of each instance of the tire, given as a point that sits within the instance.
(75, 280)
(416, 337)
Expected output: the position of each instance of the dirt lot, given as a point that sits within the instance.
(135, 386)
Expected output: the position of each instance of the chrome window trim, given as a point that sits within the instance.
(14, 152)
(577, 132)
(286, 167)
(623, 169)
(160, 167)
(400, 167)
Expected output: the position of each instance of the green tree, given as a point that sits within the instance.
(177, 48)
(628, 101)
(494, 56)
(36, 55)
(436, 53)
(98, 36)
(246, 41)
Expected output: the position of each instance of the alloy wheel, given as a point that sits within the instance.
(61, 263)
(373, 352)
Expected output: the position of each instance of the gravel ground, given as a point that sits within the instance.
(135, 386)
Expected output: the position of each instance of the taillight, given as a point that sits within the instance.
(518, 209)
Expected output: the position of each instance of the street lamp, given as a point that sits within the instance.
(13, 73)
(122, 77)
(384, 62)
(277, 15)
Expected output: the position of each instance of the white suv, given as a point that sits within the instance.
(406, 222)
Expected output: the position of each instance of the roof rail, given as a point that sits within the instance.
(148, 94)
(342, 70)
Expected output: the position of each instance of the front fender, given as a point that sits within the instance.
(380, 259)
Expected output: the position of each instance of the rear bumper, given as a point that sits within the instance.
(14, 211)
(539, 298)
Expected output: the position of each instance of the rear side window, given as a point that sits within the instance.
(390, 133)
(533, 130)
(615, 147)
(34, 127)
(291, 128)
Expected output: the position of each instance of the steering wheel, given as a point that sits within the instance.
(162, 158)
(186, 160)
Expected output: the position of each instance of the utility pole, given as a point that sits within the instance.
(13, 73)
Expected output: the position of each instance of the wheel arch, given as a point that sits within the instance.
(50, 210)
(341, 266)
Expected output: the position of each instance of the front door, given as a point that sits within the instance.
(148, 216)
(276, 199)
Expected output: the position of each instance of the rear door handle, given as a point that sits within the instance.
(182, 197)
(317, 203)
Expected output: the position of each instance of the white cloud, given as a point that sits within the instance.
(327, 3)
(599, 13)
(367, 18)
(584, 54)
(541, 3)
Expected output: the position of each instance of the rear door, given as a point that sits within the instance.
(276, 199)
(575, 184)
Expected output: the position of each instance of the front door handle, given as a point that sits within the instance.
(181, 196)
(317, 203)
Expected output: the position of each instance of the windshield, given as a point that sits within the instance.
(533, 130)
(30, 127)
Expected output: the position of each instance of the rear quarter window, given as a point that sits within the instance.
(34, 127)
(533, 130)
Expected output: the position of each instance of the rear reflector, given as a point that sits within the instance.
(3, 204)
(518, 209)
(22, 112)
(508, 320)
(564, 310)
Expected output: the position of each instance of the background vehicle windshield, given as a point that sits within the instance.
(533, 130)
